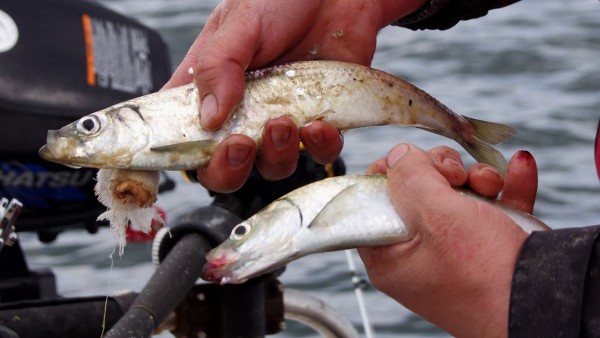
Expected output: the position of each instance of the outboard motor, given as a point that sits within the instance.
(60, 60)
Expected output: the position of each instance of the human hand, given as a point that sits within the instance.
(241, 35)
(456, 271)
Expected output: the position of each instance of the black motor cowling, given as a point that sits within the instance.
(60, 60)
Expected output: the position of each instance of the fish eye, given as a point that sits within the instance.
(89, 125)
(240, 231)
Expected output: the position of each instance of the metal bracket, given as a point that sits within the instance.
(9, 212)
(204, 312)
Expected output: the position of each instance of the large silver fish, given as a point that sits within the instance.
(162, 131)
(333, 214)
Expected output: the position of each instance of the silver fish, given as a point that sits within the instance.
(332, 214)
(161, 131)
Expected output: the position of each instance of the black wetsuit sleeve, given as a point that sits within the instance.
(443, 14)
(556, 285)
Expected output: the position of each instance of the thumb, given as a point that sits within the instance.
(220, 71)
(414, 183)
(220, 88)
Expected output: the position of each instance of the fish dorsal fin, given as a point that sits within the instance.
(337, 208)
(188, 147)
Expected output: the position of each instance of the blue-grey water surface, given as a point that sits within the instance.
(534, 65)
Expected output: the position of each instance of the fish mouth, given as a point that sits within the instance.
(62, 150)
(212, 273)
(220, 270)
(50, 150)
(57, 147)
(46, 153)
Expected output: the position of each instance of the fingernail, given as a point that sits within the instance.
(237, 154)
(396, 153)
(280, 135)
(451, 161)
(524, 155)
(315, 137)
(490, 171)
(209, 109)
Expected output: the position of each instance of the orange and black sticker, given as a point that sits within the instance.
(117, 55)
(89, 50)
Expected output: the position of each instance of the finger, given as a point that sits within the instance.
(279, 149)
(220, 71)
(377, 167)
(217, 99)
(449, 164)
(520, 187)
(413, 178)
(322, 140)
(182, 75)
(230, 164)
(485, 180)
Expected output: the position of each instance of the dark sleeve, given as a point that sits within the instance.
(443, 14)
(556, 285)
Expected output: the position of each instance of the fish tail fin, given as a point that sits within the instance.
(491, 132)
(486, 134)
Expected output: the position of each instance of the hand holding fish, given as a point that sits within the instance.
(460, 262)
(243, 35)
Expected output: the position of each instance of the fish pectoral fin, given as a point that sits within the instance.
(188, 147)
(324, 115)
(341, 206)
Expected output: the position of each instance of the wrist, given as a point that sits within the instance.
(481, 308)
(392, 10)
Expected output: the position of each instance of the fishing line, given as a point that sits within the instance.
(359, 283)
(108, 286)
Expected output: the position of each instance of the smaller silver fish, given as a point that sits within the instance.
(332, 214)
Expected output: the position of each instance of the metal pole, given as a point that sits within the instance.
(358, 283)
